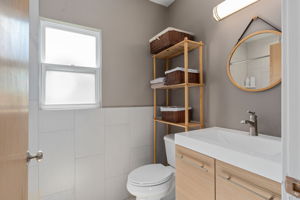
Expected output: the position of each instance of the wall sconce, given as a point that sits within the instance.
(228, 7)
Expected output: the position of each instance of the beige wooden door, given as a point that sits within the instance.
(14, 39)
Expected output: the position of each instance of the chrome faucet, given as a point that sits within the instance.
(252, 122)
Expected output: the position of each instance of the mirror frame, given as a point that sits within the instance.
(231, 55)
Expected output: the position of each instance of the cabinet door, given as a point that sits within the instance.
(195, 175)
(233, 183)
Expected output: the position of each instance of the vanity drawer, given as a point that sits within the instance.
(195, 175)
(233, 183)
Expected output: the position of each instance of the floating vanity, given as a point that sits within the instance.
(224, 164)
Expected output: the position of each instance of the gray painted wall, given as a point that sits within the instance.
(127, 26)
(226, 105)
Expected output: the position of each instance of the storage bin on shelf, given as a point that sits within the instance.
(176, 76)
(174, 114)
(167, 38)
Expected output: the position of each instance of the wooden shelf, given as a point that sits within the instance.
(180, 86)
(182, 125)
(177, 49)
(182, 48)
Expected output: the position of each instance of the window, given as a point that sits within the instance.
(70, 66)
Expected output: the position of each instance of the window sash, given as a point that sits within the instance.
(69, 68)
(72, 28)
(62, 68)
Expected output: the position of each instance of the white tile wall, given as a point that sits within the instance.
(117, 150)
(140, 156)
(115, 188)
(50, 121)
(88, 153)
(139, 131)
(116, 116)
(33, 182)
(89, 132)
(56, 172)
(90, 178)
(65, 195)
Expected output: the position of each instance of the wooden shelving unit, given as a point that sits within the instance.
(180, 86)
(182, 125)
(181, 48)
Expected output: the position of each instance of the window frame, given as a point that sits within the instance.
(44, 67)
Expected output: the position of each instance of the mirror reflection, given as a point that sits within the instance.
(255, 63)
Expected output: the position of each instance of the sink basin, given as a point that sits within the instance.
(258, 154)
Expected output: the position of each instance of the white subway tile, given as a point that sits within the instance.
(141, 125)
(64, 195)
(56, 120)
(117, 150)
(33, 182)
(89, 132)
(115, 188)
(114, 116)
(56, 171)
(141, 156)
(90, 178)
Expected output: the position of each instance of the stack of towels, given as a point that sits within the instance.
(158, 83)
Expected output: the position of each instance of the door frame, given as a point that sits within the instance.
(290, 92)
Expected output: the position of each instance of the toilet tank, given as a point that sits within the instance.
(170, 149)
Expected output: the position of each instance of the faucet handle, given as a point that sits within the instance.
(250, 112)
(243, 122)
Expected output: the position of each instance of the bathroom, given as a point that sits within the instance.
(105, 139)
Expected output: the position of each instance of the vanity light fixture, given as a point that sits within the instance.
(228, 7)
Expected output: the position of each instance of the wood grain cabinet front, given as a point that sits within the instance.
(233, 183)
(195, 175)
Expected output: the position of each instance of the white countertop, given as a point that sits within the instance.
(258, 154)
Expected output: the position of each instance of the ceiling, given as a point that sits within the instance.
(166, 3)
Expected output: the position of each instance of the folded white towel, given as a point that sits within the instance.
(158, 80)
(173, 109)
(181, 69)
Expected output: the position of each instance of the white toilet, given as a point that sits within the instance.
(156, 181)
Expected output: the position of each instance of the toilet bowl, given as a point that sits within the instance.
(155, 181)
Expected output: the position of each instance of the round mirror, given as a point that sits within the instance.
(255, 62)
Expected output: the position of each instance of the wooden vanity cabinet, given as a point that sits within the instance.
(195, 175)
(233, 183)
(199, 177)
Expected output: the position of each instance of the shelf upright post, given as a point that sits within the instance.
(201, 107)
(186, 81)
(167, 92)
(154, 113)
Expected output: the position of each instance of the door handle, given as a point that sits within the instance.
(38, 156)
(256, 190)
(193, 162)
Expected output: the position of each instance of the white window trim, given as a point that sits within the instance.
(70, 68)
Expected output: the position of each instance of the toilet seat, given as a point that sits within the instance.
(150, 175)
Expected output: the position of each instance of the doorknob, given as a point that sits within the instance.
(38, 157)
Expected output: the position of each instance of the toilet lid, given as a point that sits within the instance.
(150, 175)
